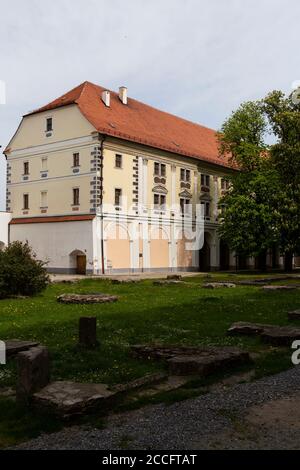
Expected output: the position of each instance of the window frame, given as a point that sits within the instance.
(25, 201)
(76, 159)
(44, 159)
(185, 175)
(76, 196)
(224, 184)
(207, 209)
(183, 202)
(43, 206)
(119, 159)
(205, 180)
(162, 200)
(49, 124)
(160, 169)
(119, 197)
(26, 171)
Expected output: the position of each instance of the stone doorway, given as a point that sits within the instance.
(224, 256)
(204, 255)
(78, 261)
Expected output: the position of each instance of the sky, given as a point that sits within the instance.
(193, 58)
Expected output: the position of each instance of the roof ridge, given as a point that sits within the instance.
(155, 109)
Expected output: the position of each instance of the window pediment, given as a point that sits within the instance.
(205, 197)
(185, 194)
(159, 189)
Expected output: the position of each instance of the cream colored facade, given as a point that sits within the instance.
(41, 180)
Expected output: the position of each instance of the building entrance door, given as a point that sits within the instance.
(81, 264)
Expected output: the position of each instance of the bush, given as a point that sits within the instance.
(20, 272)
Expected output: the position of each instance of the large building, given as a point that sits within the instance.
(98, 182)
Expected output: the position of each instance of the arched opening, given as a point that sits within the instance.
(242, 262)
(184, 256)
(204, 254)
(78, 261)
(224, 256)
(159, 248)
(2, 246)
(275, 257)
(117, 247)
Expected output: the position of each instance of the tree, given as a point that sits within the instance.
(242, 136)
(283, 114)
(20, 272)
(249, 222)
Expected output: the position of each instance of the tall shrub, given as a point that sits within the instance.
(20, 272)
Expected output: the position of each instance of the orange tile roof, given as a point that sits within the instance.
(141, 123)
(62, 218)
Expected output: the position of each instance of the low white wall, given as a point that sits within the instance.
(5, 218)
(53, 242)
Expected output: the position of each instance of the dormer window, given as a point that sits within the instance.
(49, 126)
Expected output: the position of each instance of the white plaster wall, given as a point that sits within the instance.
(4, 221)
(53, 242)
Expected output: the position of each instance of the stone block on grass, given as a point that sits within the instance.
(88, 332)
(15, 346)
(218, 285)
(33, 372)
(86, 298)
(67, 399)
(294, 315)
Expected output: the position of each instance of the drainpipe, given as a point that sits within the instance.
(101, 206)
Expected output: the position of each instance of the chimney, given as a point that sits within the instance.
(106, 98)
(123, 94)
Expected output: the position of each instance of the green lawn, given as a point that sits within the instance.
(179, 314)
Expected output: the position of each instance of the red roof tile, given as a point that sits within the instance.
(40, 220)
(141, 123)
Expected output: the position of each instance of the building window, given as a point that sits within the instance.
(49, 127)
(224, 184)
(118, 197)
(75, 159)
(118, 160)
(222, 210)
(159, 169)
(159, 202)
(185, 175)
(25, 201)
(75, 196)
(26, 168)
(206, 209)
(205, 180)
(185, 206)
(44, 164)
(43, 199)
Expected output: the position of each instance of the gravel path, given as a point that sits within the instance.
(259, 415)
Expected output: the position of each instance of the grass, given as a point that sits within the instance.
(179, 314)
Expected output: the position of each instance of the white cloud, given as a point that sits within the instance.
(194, 58)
